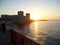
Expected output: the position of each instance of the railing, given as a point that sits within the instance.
(18, 39)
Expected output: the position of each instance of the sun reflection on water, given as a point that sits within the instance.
(35, 31)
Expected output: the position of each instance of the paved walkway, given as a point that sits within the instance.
(5, 39)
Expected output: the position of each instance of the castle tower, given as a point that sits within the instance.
(20, 13)
(28, 15)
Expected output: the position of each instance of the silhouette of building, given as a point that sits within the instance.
(28, 16)
(20, 18)
(21, 13)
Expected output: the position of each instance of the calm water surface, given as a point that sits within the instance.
(44, 32)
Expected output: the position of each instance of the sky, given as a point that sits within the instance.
(46, 9)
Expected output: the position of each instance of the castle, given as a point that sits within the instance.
(19, 18)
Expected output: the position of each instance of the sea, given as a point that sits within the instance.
(44, 32)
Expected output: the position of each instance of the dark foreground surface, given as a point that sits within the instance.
(5, 39)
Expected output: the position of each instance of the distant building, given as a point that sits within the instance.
(20, 18)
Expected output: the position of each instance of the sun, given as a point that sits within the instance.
(35, 17)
